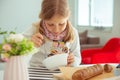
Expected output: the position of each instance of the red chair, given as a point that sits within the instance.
(109, 53)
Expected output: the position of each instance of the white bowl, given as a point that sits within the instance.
(55, 61)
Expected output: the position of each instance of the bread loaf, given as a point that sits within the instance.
(108, 68)
(88, 72)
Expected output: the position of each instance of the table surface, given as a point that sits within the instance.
(41, 73)
(35, 73)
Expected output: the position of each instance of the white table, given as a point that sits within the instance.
(2, 66)
(37, 73)
(1, 75)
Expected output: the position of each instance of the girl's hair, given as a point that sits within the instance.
(52, 7)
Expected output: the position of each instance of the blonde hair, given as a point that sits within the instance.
(49, 9)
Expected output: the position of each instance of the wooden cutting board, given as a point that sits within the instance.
(66, 73)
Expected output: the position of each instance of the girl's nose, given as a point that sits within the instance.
(56, 29)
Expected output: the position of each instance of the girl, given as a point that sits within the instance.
(54, 34)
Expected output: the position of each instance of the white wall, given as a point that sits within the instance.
(18, 14)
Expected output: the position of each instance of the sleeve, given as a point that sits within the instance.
(75, 48)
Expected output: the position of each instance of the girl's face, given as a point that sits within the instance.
(56, 24)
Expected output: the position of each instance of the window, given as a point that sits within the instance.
(98, 13)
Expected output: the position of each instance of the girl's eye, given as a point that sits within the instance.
(61, 24)
(51, 24)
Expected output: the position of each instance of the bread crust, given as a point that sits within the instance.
(108, 68)
(88, 72)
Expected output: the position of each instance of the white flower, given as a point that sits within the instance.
(16, 37)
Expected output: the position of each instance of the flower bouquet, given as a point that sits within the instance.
(13, 50)
(15, 45)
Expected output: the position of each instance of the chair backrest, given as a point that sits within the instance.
(112, 44)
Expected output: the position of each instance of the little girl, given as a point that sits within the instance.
(54, 34)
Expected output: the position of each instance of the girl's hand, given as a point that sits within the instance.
(37, 39)
(70, 59)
